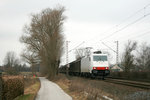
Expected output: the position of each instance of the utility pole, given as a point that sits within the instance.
(67, 58)
(109, 47)
(1, 89)
(117, 52)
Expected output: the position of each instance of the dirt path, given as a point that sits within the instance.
(51, 91)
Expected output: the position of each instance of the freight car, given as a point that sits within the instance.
(94, 65)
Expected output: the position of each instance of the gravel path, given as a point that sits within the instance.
(51, 91)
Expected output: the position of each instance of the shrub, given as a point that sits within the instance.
(13, 86)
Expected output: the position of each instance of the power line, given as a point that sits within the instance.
(145, 15)
(109, 47)
(134, 14)
(126, 26)
(77, 46)
(143, 34)
(140, 35)
(134, 33)
(144, 8)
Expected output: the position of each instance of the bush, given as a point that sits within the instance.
(11, 71)
(13, 86)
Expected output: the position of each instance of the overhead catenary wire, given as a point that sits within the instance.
(140, 10)
(76, 46)
(109, 47)
(126, 26)
(132, 35)
(113, 33)
(140, 35)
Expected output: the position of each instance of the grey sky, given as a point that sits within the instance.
(87, 20)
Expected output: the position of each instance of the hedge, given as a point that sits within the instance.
(13, 86)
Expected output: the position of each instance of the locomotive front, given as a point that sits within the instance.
(100, 65)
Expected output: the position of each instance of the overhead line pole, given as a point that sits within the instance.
(67, 57)
(117, 52)
(109, 47)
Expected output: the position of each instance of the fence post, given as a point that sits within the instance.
(1, 85)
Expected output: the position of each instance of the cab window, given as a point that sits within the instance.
(99, 58)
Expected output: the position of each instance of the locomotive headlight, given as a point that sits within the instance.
(94, 67)
(106, 67)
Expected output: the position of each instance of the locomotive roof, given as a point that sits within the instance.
(99, 54)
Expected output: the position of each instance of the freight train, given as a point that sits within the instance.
(94, 65)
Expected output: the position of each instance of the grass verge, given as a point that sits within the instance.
(87, 89)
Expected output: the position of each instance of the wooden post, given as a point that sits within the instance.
(1, 85)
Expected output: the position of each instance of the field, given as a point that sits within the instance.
(87, 89)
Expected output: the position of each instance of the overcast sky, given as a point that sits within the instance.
(92, 21)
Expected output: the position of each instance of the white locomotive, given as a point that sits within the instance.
(96, 64)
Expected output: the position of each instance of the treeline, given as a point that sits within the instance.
(136, 57)
(135, 62)
(16, 69)
(12, 65)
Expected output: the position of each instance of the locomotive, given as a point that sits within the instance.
(94, 65)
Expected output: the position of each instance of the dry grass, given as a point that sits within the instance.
(32, 86)
(65, 84)
(86, 89)
(7, 77)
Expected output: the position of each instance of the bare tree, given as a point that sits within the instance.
(44, 38)
(31, 59)
(11, 62)
(82, 52)
(10, 59)
(128, 57)
(143, 57)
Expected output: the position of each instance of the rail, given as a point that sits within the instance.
(136, 84)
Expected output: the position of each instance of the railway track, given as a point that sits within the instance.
(136, 84)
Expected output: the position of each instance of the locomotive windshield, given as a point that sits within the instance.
(99, 58)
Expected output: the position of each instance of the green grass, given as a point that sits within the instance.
(25, 97)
